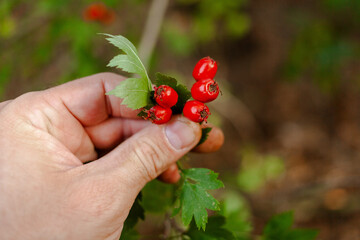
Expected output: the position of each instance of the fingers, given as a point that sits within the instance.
(148, 153)
(213, 143)
(170, 175)
(3, 104)
(113, 131)
(85, 98)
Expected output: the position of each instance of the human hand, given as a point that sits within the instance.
(46, 190)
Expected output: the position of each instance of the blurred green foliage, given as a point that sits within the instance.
(204, 22)
(257, 169)
(50, 35)
(237, 212)
(279, 227)
(324, 46)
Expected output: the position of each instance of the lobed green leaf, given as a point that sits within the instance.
(204, 177)
(194, 196)
(134, 92)
(128, 64)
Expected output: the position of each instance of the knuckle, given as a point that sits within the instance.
(150, 156)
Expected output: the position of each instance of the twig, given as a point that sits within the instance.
(167, 227)
(152, 29)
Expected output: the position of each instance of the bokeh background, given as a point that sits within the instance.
(289, 73)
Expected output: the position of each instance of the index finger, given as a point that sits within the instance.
(86, 100)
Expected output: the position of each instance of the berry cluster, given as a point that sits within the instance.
(204, 90)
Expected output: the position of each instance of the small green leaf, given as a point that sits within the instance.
(123, 44)
(183, 93)
(214, 231)
(204, 135)
(127, 63)
(134, 92)
(194, 198)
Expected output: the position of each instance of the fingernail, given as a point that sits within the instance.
(180, 134)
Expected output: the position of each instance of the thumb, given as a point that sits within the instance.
(149, 152)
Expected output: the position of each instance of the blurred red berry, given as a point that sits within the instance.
(99, 12)
(108, 18)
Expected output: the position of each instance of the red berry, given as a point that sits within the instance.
(196, 111)
(205, 90)
(159, 115)
(165, 96)
(205, 68)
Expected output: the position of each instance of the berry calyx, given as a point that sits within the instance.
(165, 96)
(159, 115)
(205, 68)
(205, 90)
(196, 111)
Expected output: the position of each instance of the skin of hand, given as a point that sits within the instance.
(46, 190)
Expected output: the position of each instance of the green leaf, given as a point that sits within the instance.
(204, 177)
(214, 231)
(134, 92)
(204, 135)
(183, 93)
(279, 228)
(127, 64)
(194, 196)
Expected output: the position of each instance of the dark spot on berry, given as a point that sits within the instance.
(204, 114)
(213, 88)
(159, 90)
